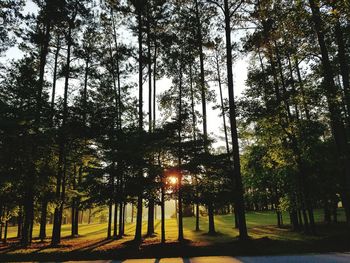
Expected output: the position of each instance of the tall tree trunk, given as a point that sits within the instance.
(138, 229)
(337, 125)
(31, 180)
(211, 219)
(28, 214)
(73, 219)
(302, 90)
(180, 212)
(109, 226)
(6, 227)
(150, 225)
(117, 65)
(121, 218)
(124, 217)
(194, 125)
(162, 209)
(1, 216)
(77, 203)
(154, 84)
(344, 66)
(150, 221)
(42, 234)
(54, 78)
(222, 103)
(202, 80)
(294, 99)
(132, 213)
(115, 220)
(19, 222)
(61, 174)
(237, 178)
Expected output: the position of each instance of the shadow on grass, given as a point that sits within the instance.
(215, 234)
(93, 246)
(336, 240)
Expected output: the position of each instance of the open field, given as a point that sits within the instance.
(266, 238)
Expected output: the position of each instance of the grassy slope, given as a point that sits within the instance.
(92, 242)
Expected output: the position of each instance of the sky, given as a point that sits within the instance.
(215, 122)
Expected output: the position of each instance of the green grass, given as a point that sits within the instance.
(223, 223)
(261, 225)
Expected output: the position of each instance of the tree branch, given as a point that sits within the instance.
(236, 8)
(217, 4)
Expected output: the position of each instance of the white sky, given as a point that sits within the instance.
(214, 121)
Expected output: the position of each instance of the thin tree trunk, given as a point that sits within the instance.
(197, 217)
(42, 234)
(54, 79)
(121, 216)
(19, 222)
(237, 178)
(222, 103)
(124, 218)
(89, 217)
(115, 220)
(302, 91)
(31, 229)
(180, 212)
(118, 72)
(202, 80)
(1, 216)
(74, 219)
(306, 220)
(6, 228)
(138, 229)
(194, 122)
(150, 225)
(154, 84)
(162, 209)
(300, 219)
(60, 183)
(109, 227)
(132, 213)
(211, 219)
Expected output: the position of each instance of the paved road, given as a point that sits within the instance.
(322, 258)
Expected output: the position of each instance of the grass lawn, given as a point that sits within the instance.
(266, 238)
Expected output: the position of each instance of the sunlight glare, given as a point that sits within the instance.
(173, 180)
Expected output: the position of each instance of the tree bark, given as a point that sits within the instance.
(237, 178)
(61, 174)
(337, 125)
(19, 222)
(138, 229)
(30, 182)
(42, 234)
(121, 217)
(6, 228)
(162, 209)
(109, 227)
(211, 219)
(222, 103)
(54, 79)
(115, 220)
(150, 225)
(344, 66)
(202, 79)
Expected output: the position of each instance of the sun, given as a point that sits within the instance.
(173, 180)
